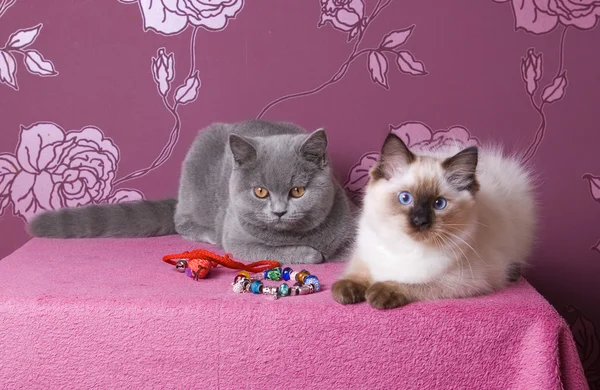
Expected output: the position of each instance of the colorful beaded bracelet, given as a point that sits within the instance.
(305, 283)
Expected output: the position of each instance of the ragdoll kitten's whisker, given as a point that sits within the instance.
(467, 244)
(467, 224)
(465, 257)
(449, 245)
(480, 224)
(460, 231)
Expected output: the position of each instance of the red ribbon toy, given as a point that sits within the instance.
(199, 262)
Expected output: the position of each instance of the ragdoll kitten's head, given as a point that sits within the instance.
(281, 182)
(429, 198)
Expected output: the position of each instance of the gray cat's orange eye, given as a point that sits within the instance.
(261, 192)
(297, 192)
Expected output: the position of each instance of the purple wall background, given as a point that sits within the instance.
(89, 97)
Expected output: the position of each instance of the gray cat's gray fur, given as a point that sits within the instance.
(216, 203)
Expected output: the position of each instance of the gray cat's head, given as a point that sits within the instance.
(281, 182)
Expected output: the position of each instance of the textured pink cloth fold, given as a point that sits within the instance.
(103, 313)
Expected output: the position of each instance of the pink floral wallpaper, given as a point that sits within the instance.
(99, 101)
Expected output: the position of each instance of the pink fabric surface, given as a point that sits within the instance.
(100, 313)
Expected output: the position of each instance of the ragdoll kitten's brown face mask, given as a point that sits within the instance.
(430, 198)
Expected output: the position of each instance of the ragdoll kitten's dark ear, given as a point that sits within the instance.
(461, 168)
(314, 148)
(394, 156)
(243, 151)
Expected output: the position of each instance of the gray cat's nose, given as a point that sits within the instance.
(279, 213)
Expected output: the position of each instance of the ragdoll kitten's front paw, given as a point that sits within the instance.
(347, 291)
(386, 295)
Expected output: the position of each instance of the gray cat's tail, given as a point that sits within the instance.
(129, 219)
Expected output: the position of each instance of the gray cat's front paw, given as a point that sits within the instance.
(305, 255)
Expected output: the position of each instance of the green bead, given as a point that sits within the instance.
(284, 290)
(274, 274)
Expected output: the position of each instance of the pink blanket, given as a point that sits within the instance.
(110, 314)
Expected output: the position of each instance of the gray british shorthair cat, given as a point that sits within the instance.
(257, 189)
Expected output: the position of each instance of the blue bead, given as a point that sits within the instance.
(284, 290)
(256, 287)
(286, 273)
(312, 279)
(266, 274)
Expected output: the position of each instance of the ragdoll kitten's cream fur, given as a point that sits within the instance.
(448, 224)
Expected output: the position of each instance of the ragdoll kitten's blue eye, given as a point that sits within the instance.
(440, 204)
(405, 197)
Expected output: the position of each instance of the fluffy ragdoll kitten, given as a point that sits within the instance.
(259, 190)
(441, 225)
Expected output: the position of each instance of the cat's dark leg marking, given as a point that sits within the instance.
(514, 272)
(387, 295)
(349, 291)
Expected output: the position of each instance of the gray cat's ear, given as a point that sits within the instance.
(243, 151)
(314, 148)
(461, 168)
(395, 156)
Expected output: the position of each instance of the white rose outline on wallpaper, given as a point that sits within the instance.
(34, 61)
(541, 17)
(594, 188)
(344, 15)
(588, 344)
(418, 137)
(52, 169)
(531, 73)
(170, 17)
(163, 72)
(349, 16)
